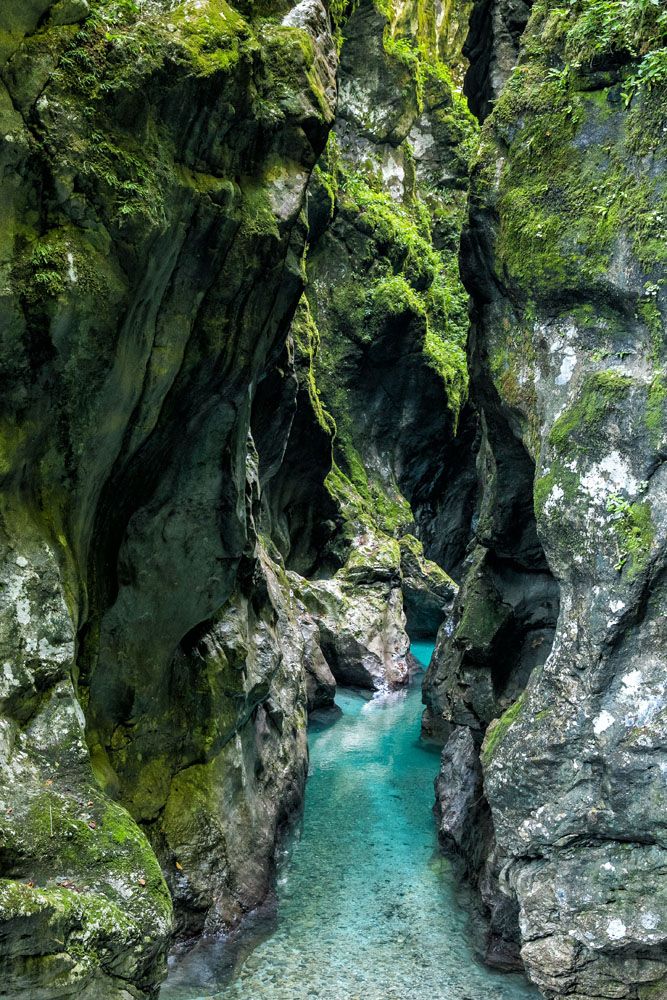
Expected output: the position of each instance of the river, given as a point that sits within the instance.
(366, 907)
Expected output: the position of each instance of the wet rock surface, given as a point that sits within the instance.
(152, 655)
(189, 560)
(238, 462)
(567, 354)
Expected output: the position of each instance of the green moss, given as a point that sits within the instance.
(401, 230)
(483, 617)
(564, 202)
(256, 212)
(652, 318)
(326, 172)
(63, 259)
(389, 264)
(448, 359)
(126, 172)
(558, 475)
(289, 57)
(121, 49)
(422, 281)
(499, 728)
(513, 364)
(364, 500)
(213, 35)
(89, 843)
(393, 296)
(655, 409)
(604, 27)
(88, 926)
(307, 340)
(415, 43)
(633, 525)
(575, 429)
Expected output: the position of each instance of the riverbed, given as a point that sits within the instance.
(366, 908)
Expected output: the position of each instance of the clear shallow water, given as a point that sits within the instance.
(366, 907)
(422, 651)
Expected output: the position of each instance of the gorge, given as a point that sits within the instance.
(325, 325)
(365, 907)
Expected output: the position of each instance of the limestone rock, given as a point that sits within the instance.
(158, 157)
(567, 355)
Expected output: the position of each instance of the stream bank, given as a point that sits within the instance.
(366, 906)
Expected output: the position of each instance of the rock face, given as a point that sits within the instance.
(159, 156)
(238, 460)
(204, 504)
(565, 259)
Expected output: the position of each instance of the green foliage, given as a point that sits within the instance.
(394, 296)
(564, 201)
(130, 177)
(60, 260)
(400, 231)
(651, 74)
(47, 265)
(448, 359)
(603, 27)
(407, 276)
(634, 529)
(213, 35)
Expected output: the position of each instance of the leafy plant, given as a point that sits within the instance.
(634, 530)
(602, 27)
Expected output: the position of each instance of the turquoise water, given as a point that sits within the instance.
(365, 905)
(422, 651)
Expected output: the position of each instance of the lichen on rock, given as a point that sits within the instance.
(565, 262)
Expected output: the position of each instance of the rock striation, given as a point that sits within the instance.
(249, 427)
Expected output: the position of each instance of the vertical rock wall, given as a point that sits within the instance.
(197, 523)
(564, 255)
(157, 158)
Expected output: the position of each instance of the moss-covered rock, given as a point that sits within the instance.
(159, 155)
(564, 256)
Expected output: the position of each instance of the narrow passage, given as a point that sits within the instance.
(366, 907)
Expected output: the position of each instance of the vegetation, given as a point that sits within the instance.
(558, 475)
(634, 530)
(655, 409)
(564, 202)
(410, 277)
(578, 425)
(499, 728)
(389, 263)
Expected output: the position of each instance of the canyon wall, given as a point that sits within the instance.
(251, 437)
(552, 688)
(205, 500)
